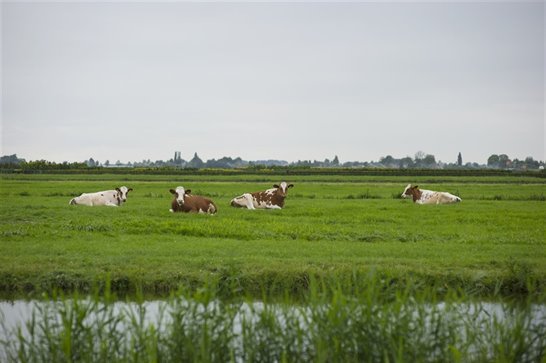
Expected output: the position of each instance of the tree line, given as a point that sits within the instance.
(421, 160)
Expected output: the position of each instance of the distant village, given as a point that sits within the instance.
(421, 160)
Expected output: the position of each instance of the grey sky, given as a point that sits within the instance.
(291, 81)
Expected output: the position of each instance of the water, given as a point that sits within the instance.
(16, 315)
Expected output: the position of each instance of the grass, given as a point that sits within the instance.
(368, 325)
(493, 243)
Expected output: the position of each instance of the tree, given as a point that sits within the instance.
(531, 163)
(11, 159)
(493, 161)
(429, 160)
(335, 162)
(388, 161)
(459, 160)
(419, 155)
(406, 162)
(504, 161)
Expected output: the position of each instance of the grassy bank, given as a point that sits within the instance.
(491, 243)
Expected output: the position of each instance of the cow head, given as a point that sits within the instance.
(122, 193)
(179, 194)
(282, 189)
(412, 191)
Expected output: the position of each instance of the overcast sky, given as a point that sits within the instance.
(133, 81)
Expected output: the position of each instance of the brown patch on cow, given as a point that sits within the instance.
(414, 192)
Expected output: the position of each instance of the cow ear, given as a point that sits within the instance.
(275, 186)
(130, 189)
(118, 190)
(172, 191)
(415, 187)
(290, 185)
(188, 191)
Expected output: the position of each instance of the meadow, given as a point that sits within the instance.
(333, 227)
(346, 272)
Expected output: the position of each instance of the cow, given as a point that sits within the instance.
(269, 199)
(184, 201)
(111, 198)
(423, 196)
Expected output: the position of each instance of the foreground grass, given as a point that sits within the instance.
(368, 325)
(492, 243)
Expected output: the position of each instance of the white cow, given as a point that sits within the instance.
(111, 198)
(423, 196)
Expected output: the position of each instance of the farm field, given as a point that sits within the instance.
(335, 228)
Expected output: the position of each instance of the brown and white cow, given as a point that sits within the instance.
(423, 196)
(269, 199)
(184, 201)
(111, 198)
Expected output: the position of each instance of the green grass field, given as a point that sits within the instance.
(333, 227)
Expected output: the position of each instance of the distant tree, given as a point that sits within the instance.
(335, 162)
(91, 163)
(11, 159)
(406, 162)
(387, 161)
(459, 160)
(531, 163)
(419, 155)
(423, 160)
(493, 161)
(429, 161)
(107, 163)
(504, 161)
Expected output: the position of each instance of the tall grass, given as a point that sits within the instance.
(372, 324)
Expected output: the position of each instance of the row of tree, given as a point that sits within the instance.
(421, 160)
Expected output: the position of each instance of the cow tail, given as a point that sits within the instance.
(72, 201)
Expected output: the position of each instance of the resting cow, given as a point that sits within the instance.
(269, 199)
(111, 198)
(185, 202)
(423, 196)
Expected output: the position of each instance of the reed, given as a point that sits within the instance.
(371, 324)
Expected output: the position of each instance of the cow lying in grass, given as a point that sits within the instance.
(423, 196)
(111, 198)
(185, 202)
(269, 199)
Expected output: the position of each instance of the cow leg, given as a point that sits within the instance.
(110, 204)
(273, 206)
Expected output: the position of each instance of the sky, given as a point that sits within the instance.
(272, 80)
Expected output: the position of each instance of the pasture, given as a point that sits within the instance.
(335, 228)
